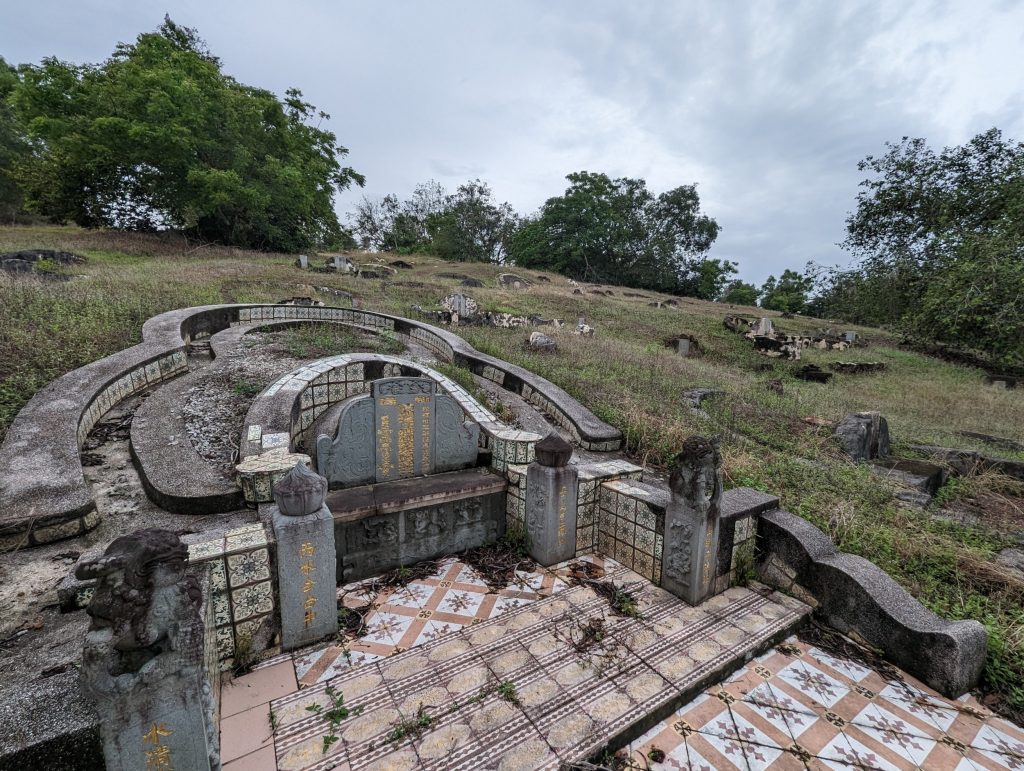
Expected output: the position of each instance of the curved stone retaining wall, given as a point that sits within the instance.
(861, 600)
(46, 497)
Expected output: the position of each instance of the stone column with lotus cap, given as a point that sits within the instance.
(551, 490)
(306, 559)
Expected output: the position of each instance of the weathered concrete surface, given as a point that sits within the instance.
(859, 599)
(552, 489)
(47, 497)
(174, 475)
(383, 526)
(968, 462)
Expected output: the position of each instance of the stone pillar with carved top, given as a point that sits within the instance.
(306, 560)
(551, 493)
(692, 521)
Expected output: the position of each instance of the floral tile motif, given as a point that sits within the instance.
(453, 597)
(780, 711)
(814, 683)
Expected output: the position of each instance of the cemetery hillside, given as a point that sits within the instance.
(298, 473)
(951, 539)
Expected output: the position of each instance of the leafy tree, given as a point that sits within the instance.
(472, 228)
(706, 279)
(740, 293)
(466, 225)
(940, 246)
(13, 145)
(788, 293)
(606, 230)
(158, 136)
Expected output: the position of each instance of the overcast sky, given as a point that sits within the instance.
(768, 107)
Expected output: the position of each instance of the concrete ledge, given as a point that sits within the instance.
(966, 462)
(859, 599)
(175, 476)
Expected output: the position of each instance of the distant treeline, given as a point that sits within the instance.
(157, 137)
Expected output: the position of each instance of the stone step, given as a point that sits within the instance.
(553, 682)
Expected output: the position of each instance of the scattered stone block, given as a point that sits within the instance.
(813, 374)
(540, 342)
(864, 435)
(858, 367)
(472, 282)
(512, 281)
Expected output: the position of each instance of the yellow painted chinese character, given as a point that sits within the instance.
(307, 567)
(307, 550)
(309, 602)
(152, 736)
(310, 615)
(307, 585)
(159, 759)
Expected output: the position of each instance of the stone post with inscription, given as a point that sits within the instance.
(692, 521)
(306, 560)
(142, 662)
(551, 491)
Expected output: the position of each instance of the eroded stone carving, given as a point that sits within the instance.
(300, 492)
(142, 662)
(692, 520)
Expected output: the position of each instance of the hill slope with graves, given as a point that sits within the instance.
(914, 463)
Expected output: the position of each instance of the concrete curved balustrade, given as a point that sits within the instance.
(282, 414)
(46, 497)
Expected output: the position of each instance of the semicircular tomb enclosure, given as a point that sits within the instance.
(417, 468)
(47, 497)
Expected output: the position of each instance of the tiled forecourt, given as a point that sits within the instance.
(569, 704)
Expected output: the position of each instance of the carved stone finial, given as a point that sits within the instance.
(553, 451)
(142, 662)
(300, 492)
(695, 472)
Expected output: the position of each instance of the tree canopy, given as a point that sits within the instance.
(939, 238)
(787, 293)
(464, 226)
(615, 230)
(158, 136)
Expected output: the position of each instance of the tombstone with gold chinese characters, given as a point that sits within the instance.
(306, 559)
(402, 428)
(142, 663)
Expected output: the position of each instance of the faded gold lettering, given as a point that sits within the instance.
(406, 440)
(307, 585)
(309, 618)
(384, 446)
(159, 757)
(307, 550)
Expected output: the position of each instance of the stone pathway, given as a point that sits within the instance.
(799, 706)
(527, 683)
(451, 675)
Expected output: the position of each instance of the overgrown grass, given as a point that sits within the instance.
(624, 374)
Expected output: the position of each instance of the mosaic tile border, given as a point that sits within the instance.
(242, 586)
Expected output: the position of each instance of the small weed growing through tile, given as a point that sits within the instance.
(656, 755)
(334, 714)
(621, 599)
(413, 726)
(507, 691)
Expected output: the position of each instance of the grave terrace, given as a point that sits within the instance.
(450, 589)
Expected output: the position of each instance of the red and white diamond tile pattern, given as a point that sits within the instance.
(801, 707)
(452, 598)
